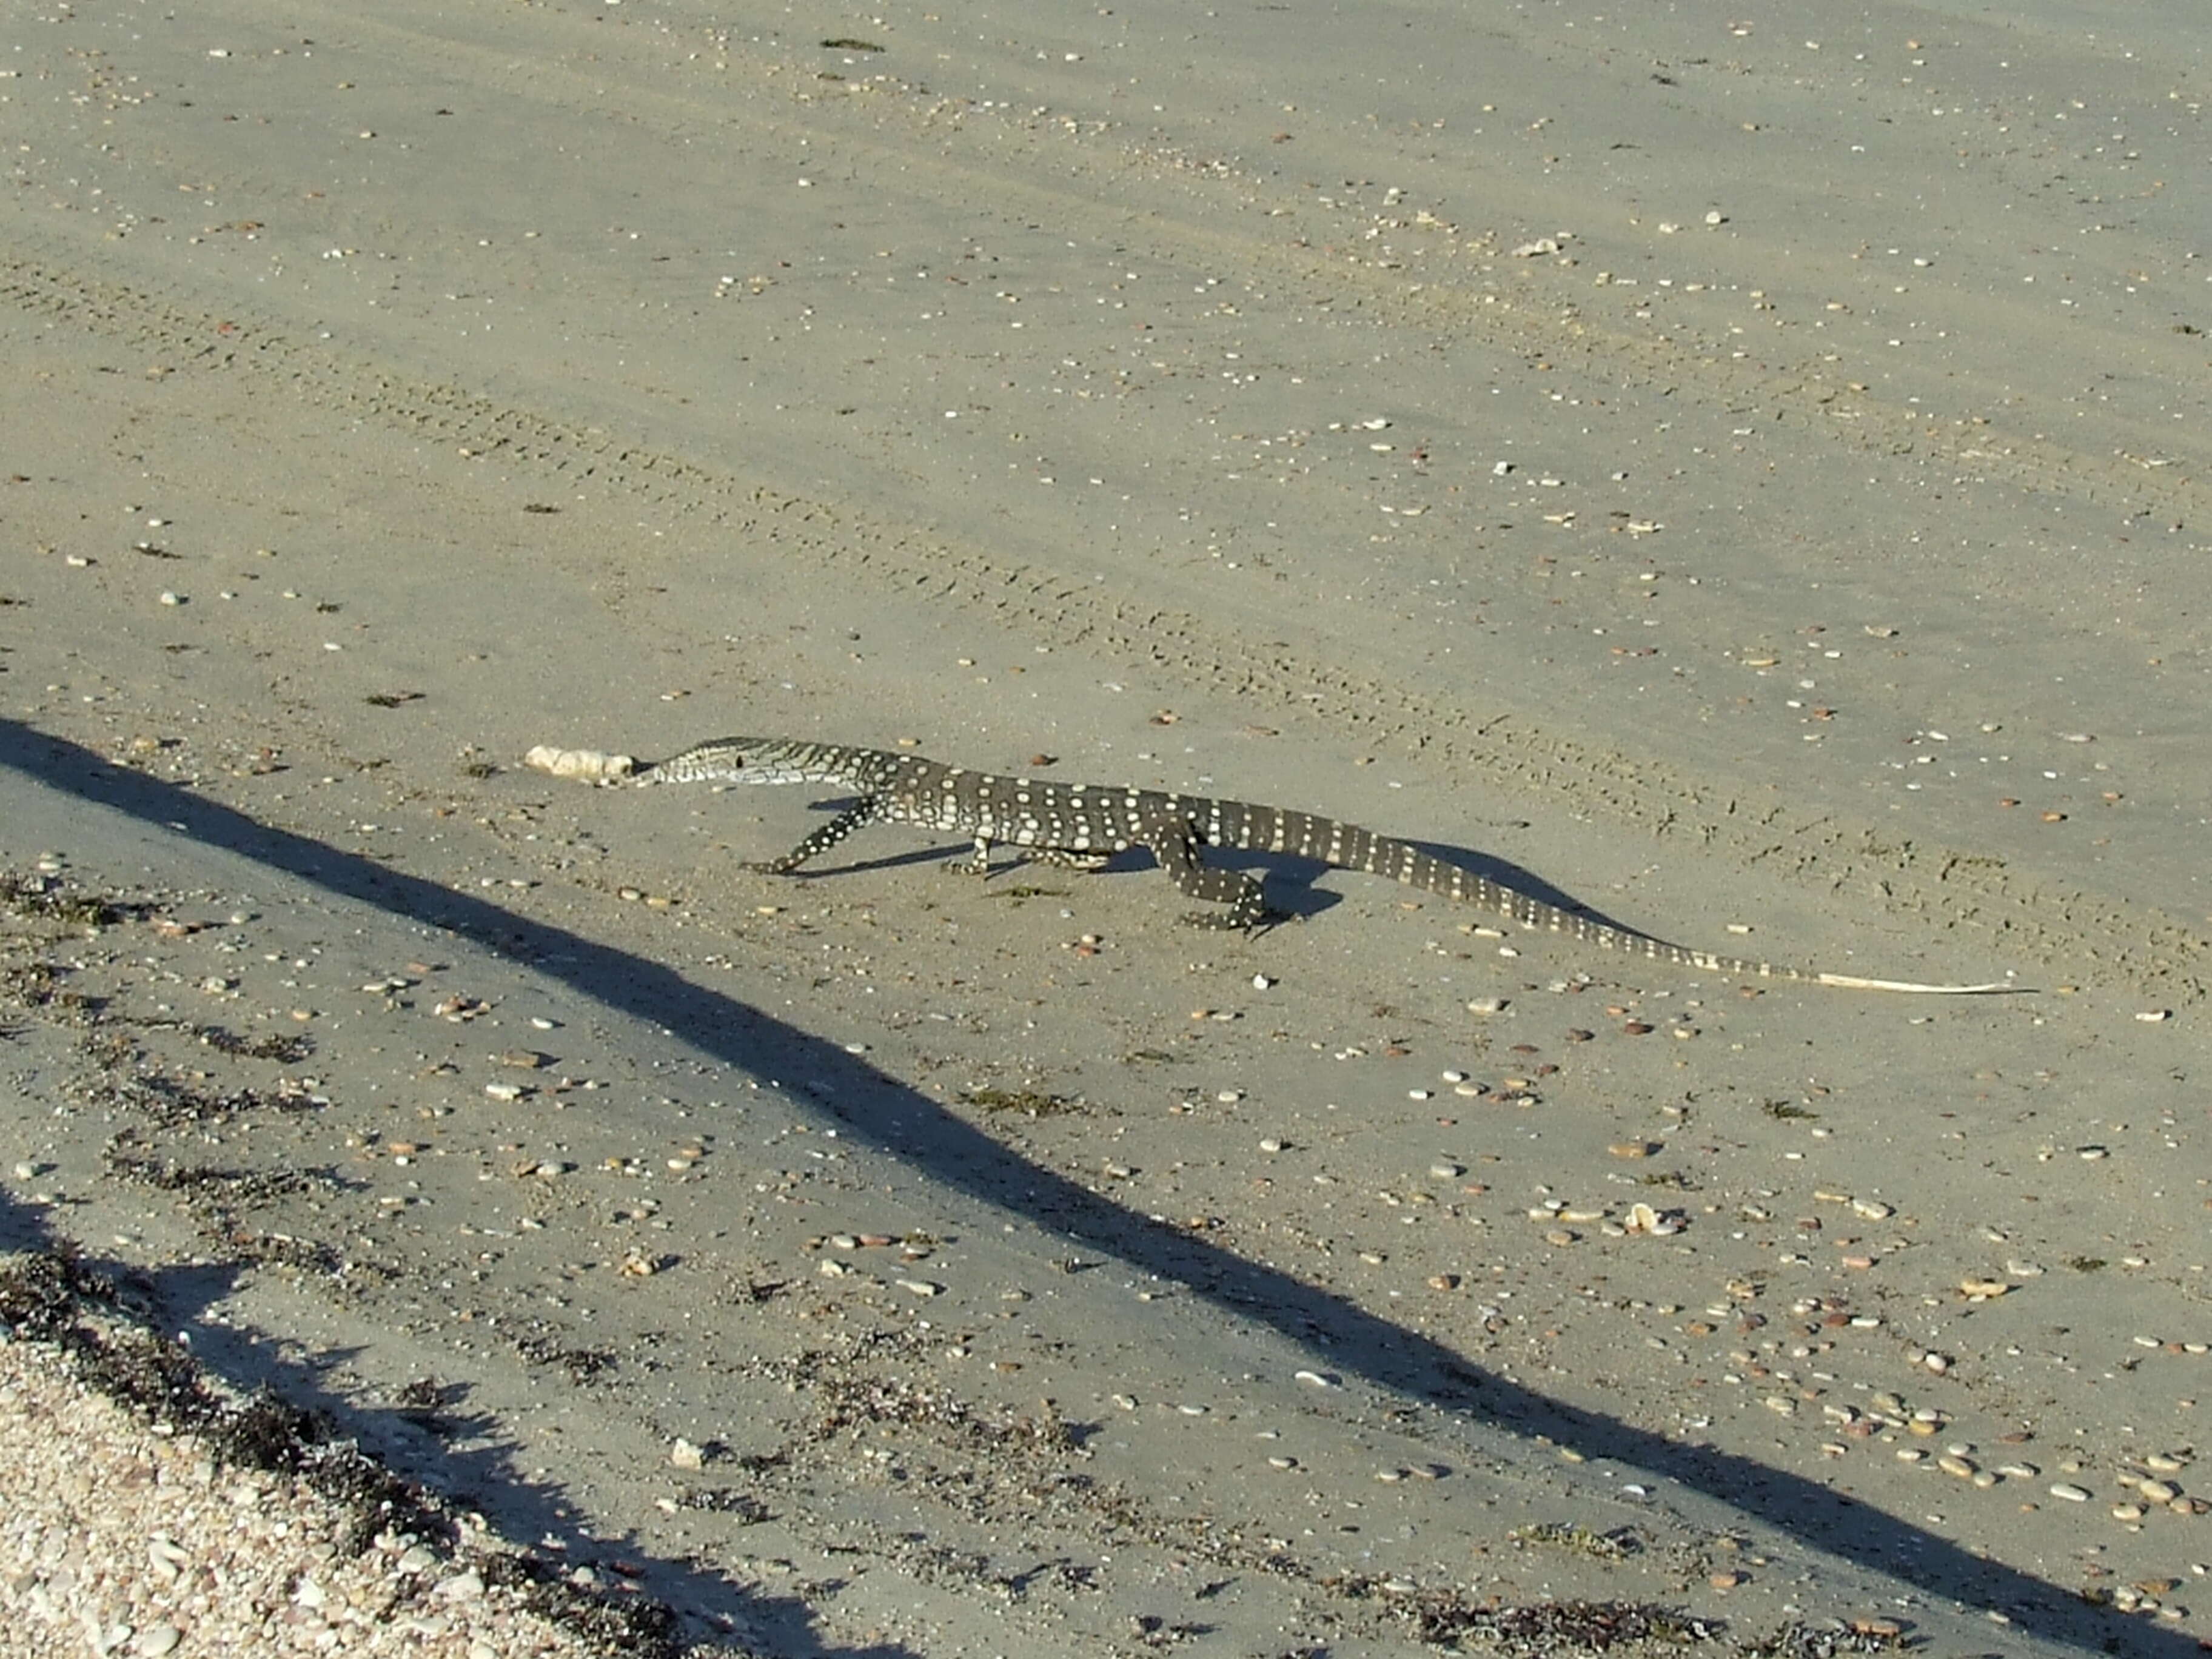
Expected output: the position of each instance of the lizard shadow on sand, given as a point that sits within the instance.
(1352, 1340)
(1289, 879)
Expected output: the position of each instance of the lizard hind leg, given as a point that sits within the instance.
(1174, 847)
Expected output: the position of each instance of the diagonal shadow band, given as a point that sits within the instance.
(947, 1151)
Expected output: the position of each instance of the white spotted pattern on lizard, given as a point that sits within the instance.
(1084, 825)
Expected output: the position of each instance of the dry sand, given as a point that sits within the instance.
(1743, 477)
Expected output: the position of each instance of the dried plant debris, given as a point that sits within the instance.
(1617, 1544)
(169, 1104)
(302, 1256)
(1539, 1629)
(581, 1364)
(47, 898)
(38, 985)
(1797, 1640)
(850, 1402)
(164, 1175)
(742, 1507)
(1031, 1103)
(48, 1297)
(286, 1047)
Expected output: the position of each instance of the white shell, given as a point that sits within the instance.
(592, 765)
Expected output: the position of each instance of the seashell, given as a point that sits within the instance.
(592, 765)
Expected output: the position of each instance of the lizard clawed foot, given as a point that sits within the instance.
(1216, 921)
(1227, 921)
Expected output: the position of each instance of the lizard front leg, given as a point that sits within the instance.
(977, 864)
(864, 810)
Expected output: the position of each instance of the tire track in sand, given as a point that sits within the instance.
(1997, 912)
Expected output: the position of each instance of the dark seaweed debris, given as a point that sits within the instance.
(1796, 1640)
(48, 1296)
(287, 1047)
(168, 1103)
(1539, 1630)
(1031, 1103)
(51, 1296)
(49, 900)
(1617, 1544)
(247, 1186)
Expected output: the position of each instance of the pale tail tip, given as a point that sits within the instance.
(592, 765)
(1853, 982)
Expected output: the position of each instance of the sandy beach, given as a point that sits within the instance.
(1743, 479)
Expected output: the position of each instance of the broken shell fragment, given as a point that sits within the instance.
(592, 765)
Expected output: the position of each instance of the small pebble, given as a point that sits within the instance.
(2069, 1491)
(461, 1587)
